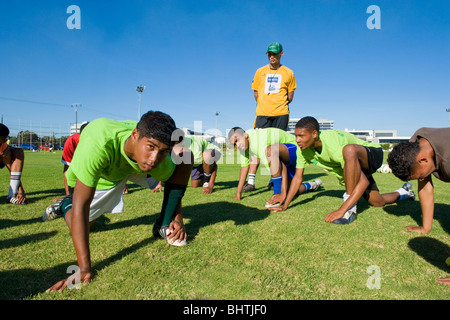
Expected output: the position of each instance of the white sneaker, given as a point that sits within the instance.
(176, 243)
(315, 184)
(275, 205)
(163, 232)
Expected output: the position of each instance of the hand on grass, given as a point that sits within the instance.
(178, 231)
(207, 190)
(237, 197)
(333, 216)
(21, 198)
(157, 188)
(277, 209)
(85, 277)
(276, 198)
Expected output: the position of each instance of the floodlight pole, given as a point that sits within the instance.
(448, 111)
(217, 117)
(76, 106)
(140, 89)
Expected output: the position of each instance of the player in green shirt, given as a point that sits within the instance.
(352, 160)
(275, 148)
(110, 153)
(206, 155)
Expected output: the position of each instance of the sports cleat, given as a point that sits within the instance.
(410, 196)
(348, 218)
(315, 184)
(14, 200)
(248, 188)
(54, 210)
(163, 232)
(275, 205)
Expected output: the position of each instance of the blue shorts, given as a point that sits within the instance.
(291, 166)
(197, 172)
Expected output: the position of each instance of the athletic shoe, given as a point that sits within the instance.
(348, 218)
(163, 232)
(410, 196)
(315, 184)
(248, 188)
(54, 210)
(14, 200)
(275, 205)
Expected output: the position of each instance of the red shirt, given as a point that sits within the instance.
(69, 148)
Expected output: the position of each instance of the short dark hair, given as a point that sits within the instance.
(402, 159)
(4, 131)
(309, 123)
(157, 125)
(234, 130)
(83, 126)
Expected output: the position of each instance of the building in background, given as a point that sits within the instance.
(378, 136)
(323, 123)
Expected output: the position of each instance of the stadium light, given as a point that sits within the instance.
(140, 89)
(76, 106)
(217, 116)
(448, 111)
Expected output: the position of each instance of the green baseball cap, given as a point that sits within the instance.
(275, 47)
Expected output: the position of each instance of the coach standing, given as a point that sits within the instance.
(273, 87)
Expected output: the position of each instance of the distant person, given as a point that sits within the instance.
(427, 153)
(273, 145)
(110, 153)
(352, 160)
(206, 155)
(12, 158)
(273, 88)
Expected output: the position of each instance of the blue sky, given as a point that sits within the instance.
(197, 58)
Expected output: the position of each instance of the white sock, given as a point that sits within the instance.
(14, 183)
(345, 197)
(251, 178)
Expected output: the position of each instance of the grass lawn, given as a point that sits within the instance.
(237, 249)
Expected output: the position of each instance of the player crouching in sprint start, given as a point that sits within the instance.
(110, 153)
(352, 160)
(277, 149)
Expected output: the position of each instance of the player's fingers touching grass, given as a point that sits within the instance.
(74, 280)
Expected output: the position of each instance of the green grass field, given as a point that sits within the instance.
(236, 251)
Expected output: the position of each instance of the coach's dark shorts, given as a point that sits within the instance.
(375, 159)
(280, 122)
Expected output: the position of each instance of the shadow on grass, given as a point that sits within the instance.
(57, 193)
(8, 223)
(433, 251)
(206, 214)
(24, 283)
(306, 178)
(412, 208)
(200, 215)
(16, 242)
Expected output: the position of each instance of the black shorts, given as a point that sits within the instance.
(375, 159)
(280, 122)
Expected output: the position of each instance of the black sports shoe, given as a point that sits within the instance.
(248, 188)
